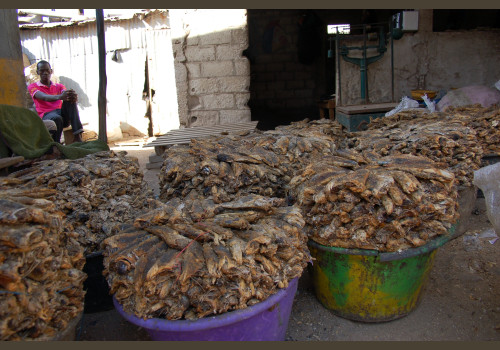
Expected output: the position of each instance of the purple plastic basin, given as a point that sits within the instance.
(267, 321)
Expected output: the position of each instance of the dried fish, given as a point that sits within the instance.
(202, 266)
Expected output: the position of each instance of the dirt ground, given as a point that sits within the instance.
(461, 300)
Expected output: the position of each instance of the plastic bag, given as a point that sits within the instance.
(469, 95)
(488, 180)
(431, 106)
(406, 103)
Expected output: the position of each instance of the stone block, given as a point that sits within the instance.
(310, 84)
(216, 38)
(285, 75)
(218, 101)
(242, 66)
(295, 84)
(293, 66)
(228, 52)
(302, 75)
(234, 84)
(282, 57)
(194, 102)
(192, 40)
(285, 94)
(296, 103)
(240, 37)
(201, 118)
(264, 58)
(275, 67)
(235, 116)
(259, 86)
(303, 93)
(178, 53)
(267, 76)
(203, 86)
(217, 69)
(276, 85)
(193, 70)
(181, 73)
(200, 54)
(257, 68)
(242, 100)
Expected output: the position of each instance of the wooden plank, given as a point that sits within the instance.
(7, 162)
(369, 108)
(183, 136)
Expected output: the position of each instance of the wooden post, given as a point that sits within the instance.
(101, 101)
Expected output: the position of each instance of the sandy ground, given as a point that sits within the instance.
(461, 300)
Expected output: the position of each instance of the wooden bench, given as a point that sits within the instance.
(5, 163)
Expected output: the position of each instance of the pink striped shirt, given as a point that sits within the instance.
(41, 106)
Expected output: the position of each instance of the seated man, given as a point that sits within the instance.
(54, 102)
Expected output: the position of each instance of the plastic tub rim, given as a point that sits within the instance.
(206, 323)
(390, 256)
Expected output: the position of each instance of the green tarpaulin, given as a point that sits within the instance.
(23, 132)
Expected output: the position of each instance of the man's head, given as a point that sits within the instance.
(44, 70)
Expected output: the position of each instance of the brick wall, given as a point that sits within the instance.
(212, 76)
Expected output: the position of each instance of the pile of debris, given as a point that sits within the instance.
(390, 204)
(189, 259)
(40, 266)
(97, 193)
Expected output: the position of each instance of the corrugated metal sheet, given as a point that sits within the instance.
(72, 52)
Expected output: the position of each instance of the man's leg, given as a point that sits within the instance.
(69, 112)
(56, 117)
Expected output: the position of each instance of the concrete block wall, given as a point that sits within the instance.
(212, 76)
(279, 82)
(427, 60)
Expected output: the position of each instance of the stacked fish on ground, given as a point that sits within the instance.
(486, 122)
(191, 258)
(388, 204)
(227, 167)
(259, 162)
(449, 141)
(41, 280)
(97, 192)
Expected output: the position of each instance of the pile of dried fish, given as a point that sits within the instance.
(189, 259)
(97, 192)
(442, 140)
(387, 204)
(260, 162)
(40, 267)
(486, 122)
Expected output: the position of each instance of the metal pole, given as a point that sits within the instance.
(364, 75)
(337, 57)
(101, 101)
(392, 60)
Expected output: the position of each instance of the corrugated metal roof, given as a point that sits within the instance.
(81, 39)
(140, 16)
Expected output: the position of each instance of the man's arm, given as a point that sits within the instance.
(66, 95)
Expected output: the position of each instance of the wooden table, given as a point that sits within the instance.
(327, 105)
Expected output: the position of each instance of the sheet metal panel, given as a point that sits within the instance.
(72, 52)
